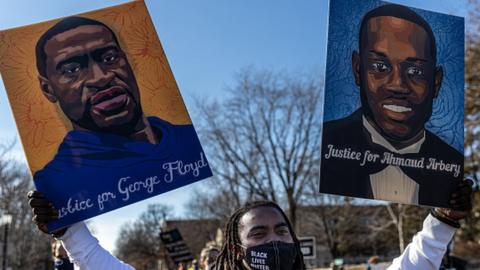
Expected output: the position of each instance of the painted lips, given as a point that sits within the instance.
(109, 100)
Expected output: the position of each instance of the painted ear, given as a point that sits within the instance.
(356, 67)
(438, 80)
(47, 89)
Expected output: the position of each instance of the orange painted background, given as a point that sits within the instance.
(41, 124)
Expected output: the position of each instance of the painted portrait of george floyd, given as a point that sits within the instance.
(393, 104)
(98, 110)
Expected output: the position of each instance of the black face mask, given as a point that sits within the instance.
(63, 264)
(274, 255)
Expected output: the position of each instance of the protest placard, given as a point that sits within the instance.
(99, 113)
(176, 247)
(393, 103)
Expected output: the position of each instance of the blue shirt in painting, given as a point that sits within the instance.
(93, 172)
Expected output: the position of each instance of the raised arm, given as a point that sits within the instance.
(429, 245)
(82, 248)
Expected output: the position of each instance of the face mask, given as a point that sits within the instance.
(63, 264)
(274, 255)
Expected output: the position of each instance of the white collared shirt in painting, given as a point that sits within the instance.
(392, 184)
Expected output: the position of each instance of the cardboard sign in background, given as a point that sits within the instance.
(42, 125)
(176, 247)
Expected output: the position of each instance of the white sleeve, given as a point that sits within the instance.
(427, 247)
(85, 252)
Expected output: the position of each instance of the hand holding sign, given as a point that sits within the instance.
(462, 205)
(43, 212)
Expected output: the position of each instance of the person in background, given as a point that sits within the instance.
(194, 265)
(60, 257)
(208, 255)
(372, 263)
(181, 266)
(260, 236)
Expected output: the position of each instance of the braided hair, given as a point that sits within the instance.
(227, 259)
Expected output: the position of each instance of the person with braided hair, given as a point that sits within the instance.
(259, 236)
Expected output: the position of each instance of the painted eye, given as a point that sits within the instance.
(109, 58)
(415, 72)
(380, 67)
(71, 69)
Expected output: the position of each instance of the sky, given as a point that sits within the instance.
(206, 43)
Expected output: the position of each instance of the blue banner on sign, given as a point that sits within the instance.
(94, 173)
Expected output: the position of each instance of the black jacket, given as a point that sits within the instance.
(346, 177)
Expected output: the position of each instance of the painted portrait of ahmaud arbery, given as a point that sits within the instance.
(383, 150)
(82, 67)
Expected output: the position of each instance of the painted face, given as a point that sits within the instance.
(397, 76)
(89, 75)
(262, 225)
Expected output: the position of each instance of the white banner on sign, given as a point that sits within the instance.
(308, 247)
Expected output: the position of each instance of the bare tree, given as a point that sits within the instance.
(139, 242)
(468, 238)
(215, 203)
(263, 139)
(337, 222)
(333, 218)
(29, 249)
(397, 221)
(375, 226)
(472, 93)
(405, 219)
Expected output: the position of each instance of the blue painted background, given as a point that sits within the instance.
(342, 94)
